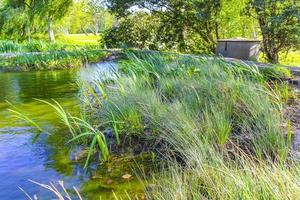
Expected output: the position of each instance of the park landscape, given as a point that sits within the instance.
(118, 99)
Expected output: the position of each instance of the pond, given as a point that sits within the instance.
(25, 156)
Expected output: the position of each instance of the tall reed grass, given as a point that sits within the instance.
(223, 123)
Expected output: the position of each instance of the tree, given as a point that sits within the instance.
(138, 30)
(180, 19)
(86, 17)
(17, 15)
(234, 23)
(102, 19)
(51, 11)
(279, 22)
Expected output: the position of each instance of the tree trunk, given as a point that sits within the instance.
(28, 33)
(182, 39)
(217, 30)
(272, 57)
(50, 30)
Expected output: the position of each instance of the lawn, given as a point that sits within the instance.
(291, 59)
(79, 39)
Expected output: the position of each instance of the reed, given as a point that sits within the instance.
(60, 193)
(79, 128)
(223, 123)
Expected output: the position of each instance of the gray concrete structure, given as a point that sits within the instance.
(244, 49)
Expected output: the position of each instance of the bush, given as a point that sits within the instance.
(137, 31)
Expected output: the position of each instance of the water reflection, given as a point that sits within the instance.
(20, 159)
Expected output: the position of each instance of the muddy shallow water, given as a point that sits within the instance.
(45, 159)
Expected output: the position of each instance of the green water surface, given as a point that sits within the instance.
(26, 154)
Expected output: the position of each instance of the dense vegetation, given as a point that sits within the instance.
(218, 129)
(202, 115)
(195, 26)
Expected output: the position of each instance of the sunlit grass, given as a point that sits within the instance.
(291, 59)
(80, 39)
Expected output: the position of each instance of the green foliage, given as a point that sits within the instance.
(138, 31)
(87, 17)
(9, 47)
(181, 21)
(276, 73)
(233, 22)
(279, 23)
(48, 56)
(20, 20)
(13, 22)
(53, 9)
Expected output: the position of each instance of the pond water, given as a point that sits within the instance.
(48, 158)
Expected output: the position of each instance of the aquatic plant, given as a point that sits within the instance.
(80, 127)
(38, 55)
(60, 195)
(20, 115)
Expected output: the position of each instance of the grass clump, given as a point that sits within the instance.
(9, 47)
(276, 73)
(222, 124)
(210, 99)
(209, 176)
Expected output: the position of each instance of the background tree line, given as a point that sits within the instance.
(22, 19)
(186, 26)
(195, 25)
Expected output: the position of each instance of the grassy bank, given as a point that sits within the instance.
(39, 55)
(221, 127)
